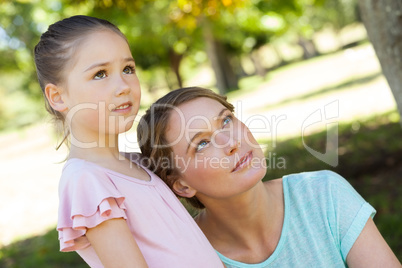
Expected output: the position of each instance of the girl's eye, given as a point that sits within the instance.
(227, 120)
(129, 69)
(201, 145)
(99, 75)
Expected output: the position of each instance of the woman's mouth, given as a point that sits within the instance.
(243, 162)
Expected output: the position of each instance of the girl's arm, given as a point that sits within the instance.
(371, 250)
(115, 245)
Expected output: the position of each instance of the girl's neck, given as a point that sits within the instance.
(112, 159)
(96, 151)
(249, 223)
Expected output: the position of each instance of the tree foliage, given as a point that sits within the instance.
(162, 33)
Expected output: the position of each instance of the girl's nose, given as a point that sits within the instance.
(123, 87)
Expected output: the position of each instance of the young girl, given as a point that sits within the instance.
(205, 154)
(113, 212)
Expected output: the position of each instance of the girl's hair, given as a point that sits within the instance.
(55, 52)
(151, 133)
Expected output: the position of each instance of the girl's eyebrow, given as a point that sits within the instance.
(201, 132)
(102, 64)
(95, 65)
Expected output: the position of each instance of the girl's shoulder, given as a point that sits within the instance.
(79, 173)
(76, 166)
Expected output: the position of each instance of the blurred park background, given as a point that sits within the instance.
(284, 60)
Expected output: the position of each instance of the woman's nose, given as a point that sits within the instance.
(228, 142)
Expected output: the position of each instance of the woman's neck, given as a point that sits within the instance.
(246, 228)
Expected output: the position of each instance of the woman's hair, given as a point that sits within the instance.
(55, 50)
(151, 133)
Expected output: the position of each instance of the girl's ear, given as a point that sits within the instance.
(181, 188)
(54, 96)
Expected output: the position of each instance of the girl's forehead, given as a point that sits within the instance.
(101, 38)
(100, 46)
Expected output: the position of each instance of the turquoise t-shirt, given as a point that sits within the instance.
(324, 215)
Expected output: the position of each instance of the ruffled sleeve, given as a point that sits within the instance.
(88, 197)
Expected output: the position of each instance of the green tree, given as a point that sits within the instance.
(162, 33)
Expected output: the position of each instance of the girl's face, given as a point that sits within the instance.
(102, 91)
(215, 152)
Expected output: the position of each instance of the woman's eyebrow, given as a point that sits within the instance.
(201, 132)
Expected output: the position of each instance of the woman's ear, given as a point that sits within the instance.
(54, 96)
(181, 188)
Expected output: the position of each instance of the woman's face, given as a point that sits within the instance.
(215, 152)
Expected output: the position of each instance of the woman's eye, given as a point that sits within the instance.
(201, 145)
(99, 75)
(227, 120)
(129, 70)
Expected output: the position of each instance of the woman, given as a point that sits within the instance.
(192, 140)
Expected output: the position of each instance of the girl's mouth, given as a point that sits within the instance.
(123, 107)
(244, 161)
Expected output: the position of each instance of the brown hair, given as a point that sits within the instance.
(55, 51)
(151, 133)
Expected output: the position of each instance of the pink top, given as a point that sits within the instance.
(163, 229)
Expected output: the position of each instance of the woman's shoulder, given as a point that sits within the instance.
(320, 177)
(314, 174)
(319, 185)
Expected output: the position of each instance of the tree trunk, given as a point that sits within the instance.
(255, 59)
(175, 60)
(383, 21)
(309, 50)
(224, 74)
(231, 79)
